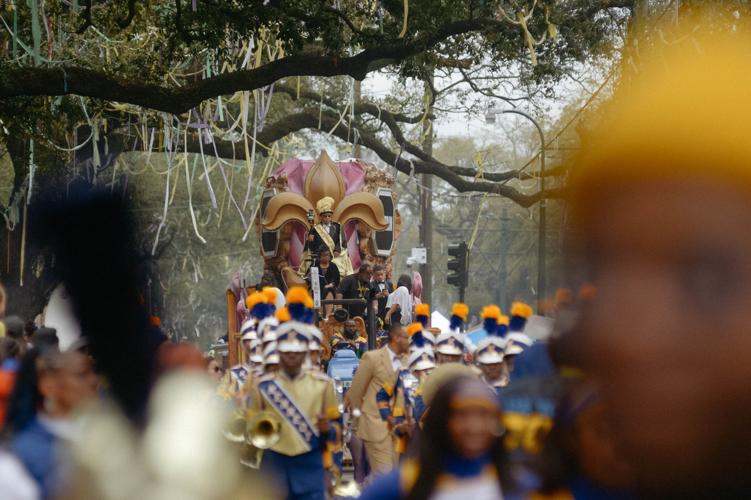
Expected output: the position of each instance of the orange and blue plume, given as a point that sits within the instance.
(459, 315)
(422, 314)
(270, 294)
(415, 333)
(520, 312)
(282, 315)
(257, 306)
(490, 316)
(297, 300)
(503, 325)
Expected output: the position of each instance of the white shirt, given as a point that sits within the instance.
(403, 298)
(15, 482)
(476, 488)
(396, 363)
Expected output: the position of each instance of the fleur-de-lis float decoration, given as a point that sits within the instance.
(357, 194)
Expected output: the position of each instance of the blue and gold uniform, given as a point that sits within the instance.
(302, 454)
(231, 385)
(298, 459)
(451, 343)
(401, 401)
(491, 349)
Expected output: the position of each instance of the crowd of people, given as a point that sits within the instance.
(648, 361)
(423, 394)
(388, 405)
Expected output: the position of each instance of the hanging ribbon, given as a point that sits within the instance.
(477, 222)
(22, 260)
(168, 152)
(188, 182)
(32, 168)
(226, 184)
(404, 21)
(15, 30)
(36, 32)
(249, 156)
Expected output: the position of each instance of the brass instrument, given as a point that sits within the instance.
(264, 430)
(236, 427)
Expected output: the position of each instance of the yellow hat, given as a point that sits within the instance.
(684, 114)
(325, 205)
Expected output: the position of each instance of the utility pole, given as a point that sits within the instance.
(426, 203)
(503, 272)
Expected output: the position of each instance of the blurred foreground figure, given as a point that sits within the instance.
(661, 199)
(135, 442)
(579, 459)
(459, 453)
(180, 454)
(40, 421)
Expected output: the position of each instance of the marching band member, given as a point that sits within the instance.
(272, 297)
(256, 357)
(266, 328)
(282, 315)
(422, 316)
(490, 350)
(231, 385)
(520, 313)
(516, 340)
(449, 346)
(421, 364)
(315, 346)
(270, 359)
(305, 403)
(260, 305)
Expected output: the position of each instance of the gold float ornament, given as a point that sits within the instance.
(364, 207)
(287, 213)
(324, 180)
(286, 207)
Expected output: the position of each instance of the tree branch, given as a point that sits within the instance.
(391, 121)
(455, 176)
(90, 83)
(360, 108)
(86, 17)
(124, 23)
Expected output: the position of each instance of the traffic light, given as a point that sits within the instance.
(458, 265)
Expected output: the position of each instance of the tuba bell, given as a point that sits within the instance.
(264, 430)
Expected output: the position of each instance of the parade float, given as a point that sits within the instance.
(363, 205)
(362, 202)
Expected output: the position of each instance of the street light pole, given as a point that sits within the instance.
(542, 229)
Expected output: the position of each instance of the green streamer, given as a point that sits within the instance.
(15, 30)
(36, 31)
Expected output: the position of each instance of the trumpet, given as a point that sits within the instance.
(263, 430)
